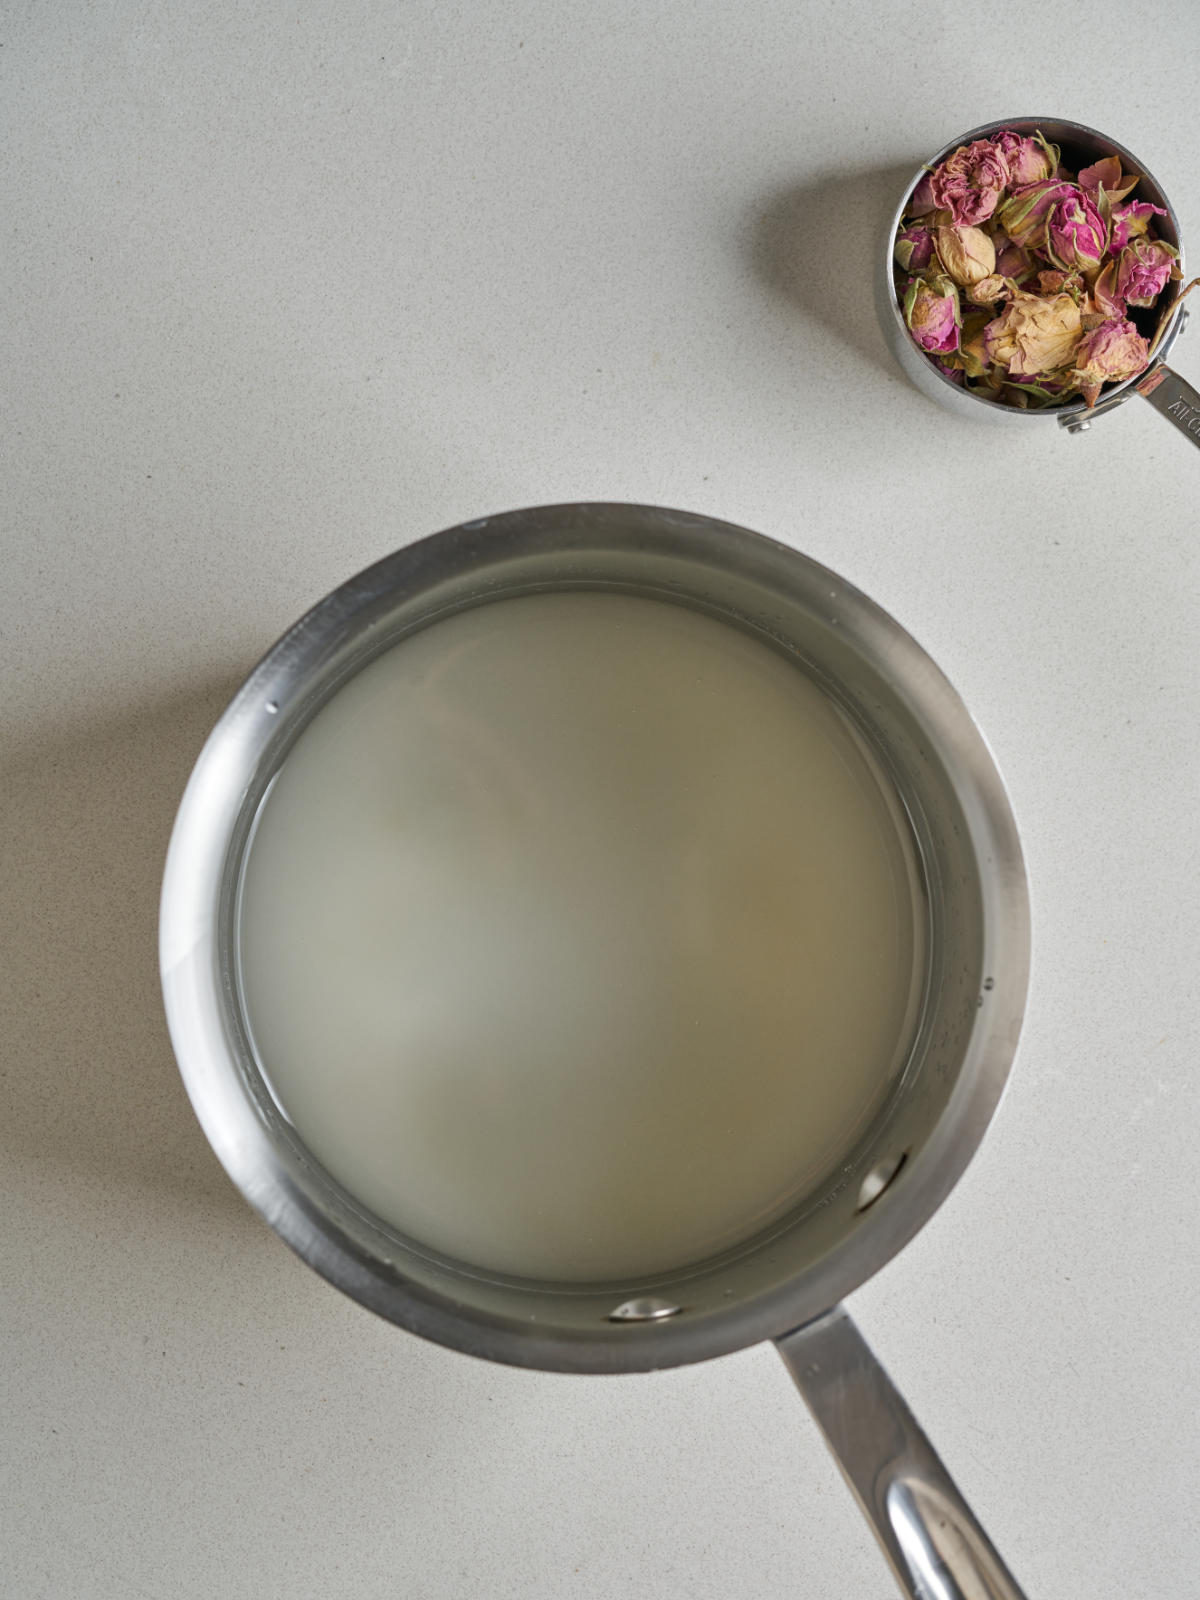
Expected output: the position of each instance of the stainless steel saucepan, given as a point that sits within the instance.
(1169, 393)
(787, 1284)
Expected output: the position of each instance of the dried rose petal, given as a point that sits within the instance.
(1034, 393)
(972, 353)
(1106, 174)
(1130, 220)
(1109, 302)
(990, 289)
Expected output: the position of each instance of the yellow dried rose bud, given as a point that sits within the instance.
(1033, 336)
(967, 254)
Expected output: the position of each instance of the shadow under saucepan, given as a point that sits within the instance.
(817, 244)
(89, 1076)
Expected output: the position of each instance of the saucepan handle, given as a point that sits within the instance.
(1174, 397)
(936, 1548)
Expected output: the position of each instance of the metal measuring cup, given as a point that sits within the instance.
(1162, 324)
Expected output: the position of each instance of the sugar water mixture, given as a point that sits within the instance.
(579, 936)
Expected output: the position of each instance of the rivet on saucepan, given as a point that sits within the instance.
(272, 707)
(647, 1309)
(877, 1180)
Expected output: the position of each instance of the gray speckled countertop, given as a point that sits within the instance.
(286, 286)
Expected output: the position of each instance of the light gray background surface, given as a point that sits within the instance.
(287, 285)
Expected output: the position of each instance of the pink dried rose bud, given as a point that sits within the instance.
(966, 253)
(1109, 354)
(921, 201)
(1034, 336)
(913, 249)
(1026, 211)
(1076, 234)
(1029, 160)
(932, 312)
(969, 184)
(1143, 270)
(955, 374)
(1130, 221)
(1014, 262)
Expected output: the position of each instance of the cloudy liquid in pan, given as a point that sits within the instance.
(579, 936)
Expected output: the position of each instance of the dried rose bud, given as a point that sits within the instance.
(1053, 281)
(972, 356)
(970, 183)
(1109, 354)
(955, 374)
(1076, 234)
(1106, 175)
(913, 249)
(1029, 160)
(921, 201)
(1024, 215)
(932, 313)
(1143, 270)
(990, 289)
(1033, 336)
(1131, 220)
(1014, 262)
(966, 253)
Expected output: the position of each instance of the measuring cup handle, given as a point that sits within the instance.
(936, 1548)
(1174, 397)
